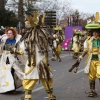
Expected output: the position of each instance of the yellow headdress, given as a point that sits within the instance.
(35, 21)
(57, 28)
(93, 23)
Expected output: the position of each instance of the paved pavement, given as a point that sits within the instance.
(67, 86)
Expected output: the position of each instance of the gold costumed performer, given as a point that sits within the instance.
(35, 44)
(75, 43)
(58, 39)
(92, 49)
(82, 38)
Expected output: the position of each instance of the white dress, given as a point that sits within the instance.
(6, 79)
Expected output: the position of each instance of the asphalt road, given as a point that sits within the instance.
(67, 86)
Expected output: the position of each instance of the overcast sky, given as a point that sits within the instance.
(87, 6)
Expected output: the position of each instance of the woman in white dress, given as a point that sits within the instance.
(8, 62)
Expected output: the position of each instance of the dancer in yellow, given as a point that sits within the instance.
(75, 43)
(92, 62)
(35, 45)
(58, 38)
(82, 38)
(92, 49)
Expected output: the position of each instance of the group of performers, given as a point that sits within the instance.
(32, 51)
(92, 49)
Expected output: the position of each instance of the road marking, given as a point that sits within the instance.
(46, 97)
(80, 71)
(40, 88)
(62, 56)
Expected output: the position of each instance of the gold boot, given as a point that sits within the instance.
(28, 96)
(92, 93)
(51, 96)
(53, 58)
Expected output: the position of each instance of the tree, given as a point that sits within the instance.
(42, 6)
(63, 8)
(2, 5)
(8, 18)
(30, 9)
(19, 7)
(20, 11)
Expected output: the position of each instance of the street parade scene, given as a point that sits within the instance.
(49, 50)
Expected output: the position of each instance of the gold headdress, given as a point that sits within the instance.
(57, 28)
(93, 23)
(76, 31)
(35, 21)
